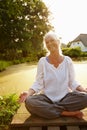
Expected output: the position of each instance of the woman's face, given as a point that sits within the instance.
(52, 43)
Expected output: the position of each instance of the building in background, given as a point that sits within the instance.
(80, 41)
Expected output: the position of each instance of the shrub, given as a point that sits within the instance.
(15, 62)
(8, 107)
(72, 52)
(84, 54)
(4, 65)
(41, 53)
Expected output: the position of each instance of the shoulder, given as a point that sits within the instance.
(68, 59)
(42, 60)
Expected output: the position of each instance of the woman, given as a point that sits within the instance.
(55, 92)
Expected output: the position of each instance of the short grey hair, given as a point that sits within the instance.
(51, 34)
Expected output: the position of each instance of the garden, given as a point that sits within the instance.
(23, 24)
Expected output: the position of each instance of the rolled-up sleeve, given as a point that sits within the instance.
(38, 84)
(73, 84)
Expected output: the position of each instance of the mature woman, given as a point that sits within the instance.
(55, 92)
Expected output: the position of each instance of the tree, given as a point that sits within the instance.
(69, 44)
(23, 24)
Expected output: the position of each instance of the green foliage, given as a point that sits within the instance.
(72, 52)
(41, 53)
(4, 65)
(69, 44)
(32, 57)
(84, 54)
(8, 107)
(23, 24)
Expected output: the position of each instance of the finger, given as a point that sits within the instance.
(22, 99)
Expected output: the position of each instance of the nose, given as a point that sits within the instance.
(48, 43)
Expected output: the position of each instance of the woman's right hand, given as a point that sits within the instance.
(23, 96)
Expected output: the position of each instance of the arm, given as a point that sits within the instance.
(73, 84)
(37, 85)
(39, 82)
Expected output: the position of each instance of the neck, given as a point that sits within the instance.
(55, 58)
(55, 55)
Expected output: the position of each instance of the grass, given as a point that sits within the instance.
(4, 65)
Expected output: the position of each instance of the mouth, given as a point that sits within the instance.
(52, 48)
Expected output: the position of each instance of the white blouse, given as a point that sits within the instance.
(54, 82)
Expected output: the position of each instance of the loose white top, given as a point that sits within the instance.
(54, 82)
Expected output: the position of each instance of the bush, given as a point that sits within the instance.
(41, 53)
(72, 52)
(35, 56)
(84, 54)
(8, 107)
(4, 65)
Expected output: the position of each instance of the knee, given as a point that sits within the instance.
(29, 104)
(85, 98)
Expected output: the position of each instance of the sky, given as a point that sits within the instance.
(69, 18)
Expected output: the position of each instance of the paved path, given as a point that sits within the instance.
(20, 77)
(17, 78)
(81, 73)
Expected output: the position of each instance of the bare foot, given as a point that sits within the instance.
(79, 114)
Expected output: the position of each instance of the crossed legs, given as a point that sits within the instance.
(70, 105)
